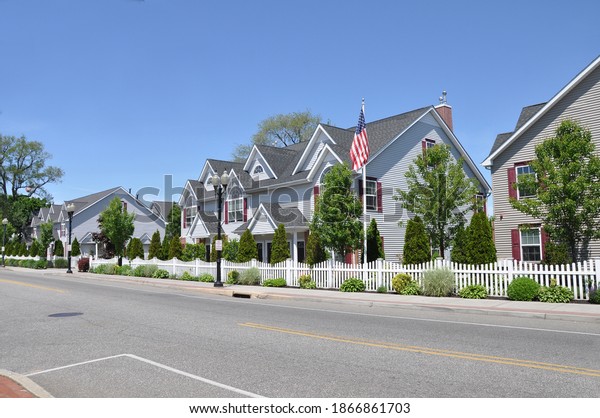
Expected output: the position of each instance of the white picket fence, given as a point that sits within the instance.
(495, 277)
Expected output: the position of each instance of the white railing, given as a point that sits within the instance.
(495, 277)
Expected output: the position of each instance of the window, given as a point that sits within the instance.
(371, 194)
(258, 169)
(531, 245)
(190, 214)
(235, 210)
(480, 201)
(522, 172)
(429, 143)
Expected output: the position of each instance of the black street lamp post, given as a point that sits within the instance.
(220, 185)
(4, 223)
(70, 210)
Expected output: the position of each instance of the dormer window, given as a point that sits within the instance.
(258, 169)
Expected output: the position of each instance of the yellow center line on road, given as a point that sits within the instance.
(31, 285)
(433, 351)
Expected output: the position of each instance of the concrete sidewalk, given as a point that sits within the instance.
(17, 386)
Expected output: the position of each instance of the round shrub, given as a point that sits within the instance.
(83, 264)
(353, 285)
(595, 296)
(233, 277)
(523, 288)
(188, 277)
(382, 289)
(412, 288)
(438, 282)
(400, 281)
(206, 278)
(250, 276)
(306, 282)
(160, 274)
(138, 271)
(475, 291)
(280, 282)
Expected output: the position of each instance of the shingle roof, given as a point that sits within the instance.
(500, 139)
(526, 113)
(290, 217)
(84, 201)
(162, 208)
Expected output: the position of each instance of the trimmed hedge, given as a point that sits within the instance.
(523, 289)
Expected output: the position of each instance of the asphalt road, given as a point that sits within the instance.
(80, 337)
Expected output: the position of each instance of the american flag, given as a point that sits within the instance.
(359, 152)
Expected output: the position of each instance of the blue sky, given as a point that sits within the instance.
(124, 92)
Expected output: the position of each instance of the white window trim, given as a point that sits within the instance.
(189, 219)
(519, 197)
(231, 210)
(374, 208)
(521, 245)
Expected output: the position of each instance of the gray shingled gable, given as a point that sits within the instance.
(85, 201)
(279, 159)
(527, 113)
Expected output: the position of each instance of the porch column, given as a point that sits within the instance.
(295, 247)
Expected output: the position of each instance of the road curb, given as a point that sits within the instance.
(563, 316)
(27, 384)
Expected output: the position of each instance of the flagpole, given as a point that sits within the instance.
(364, 196)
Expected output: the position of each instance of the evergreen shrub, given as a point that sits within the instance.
(523, 289)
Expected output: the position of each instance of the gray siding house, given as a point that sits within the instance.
(579, 100)
(279, 185)
(85, 219)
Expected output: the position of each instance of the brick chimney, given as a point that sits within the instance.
(445, 110)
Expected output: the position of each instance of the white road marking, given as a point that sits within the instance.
(162, 366)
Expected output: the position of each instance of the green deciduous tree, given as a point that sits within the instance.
(336, 216)
(567, 188)
(248, 249)
(280, 130)
(231, 249)
(46, 237)
(135, 248)
(23, 167)
(417, 249)
(280, 249)
(155, 249)
(117, 225)
(480, 246)
(439, 192)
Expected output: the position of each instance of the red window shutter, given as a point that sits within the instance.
(382, 242)
(379, 198)
(515, 239)
(360, 189)
(226, 212)
(424, 146)
(245, 209)
(544, 239)
(512, 179)
(316, 191)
